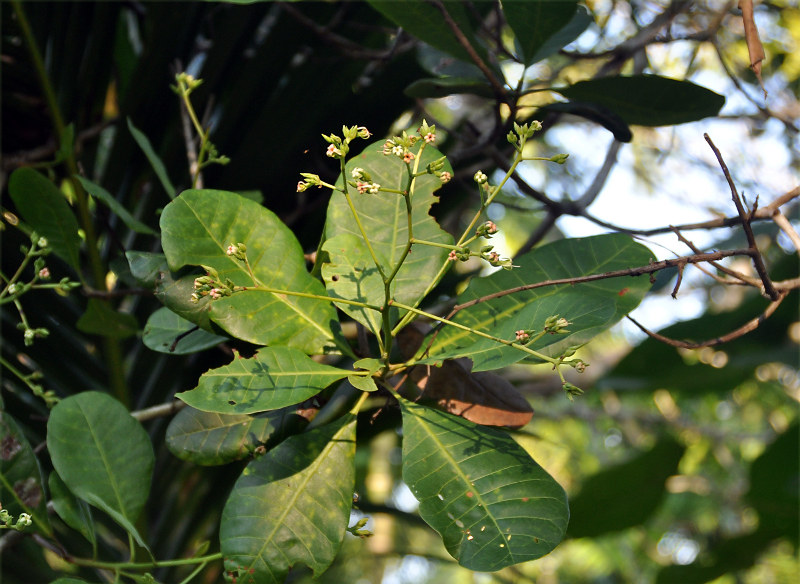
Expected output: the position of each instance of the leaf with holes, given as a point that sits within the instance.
(385, 219)
(493, 505)
(291, 506)
(197, 228)
(275, 377)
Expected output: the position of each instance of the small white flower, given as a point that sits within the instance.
(42, 242)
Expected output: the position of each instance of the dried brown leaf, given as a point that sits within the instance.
(754, 46)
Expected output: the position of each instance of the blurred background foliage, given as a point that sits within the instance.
(681, 464)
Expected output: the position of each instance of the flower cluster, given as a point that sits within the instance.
(310, 180)
(486, 230)
(363, 181)
(237, 251)
(520, 134)
(556, 325)
(461, 254)
(212, 285)
(7, 520)
(494, 258)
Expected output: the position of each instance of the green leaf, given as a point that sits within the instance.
(211, 439)
(84, 439)
(534, 21)
(166, 332)
(444, 86)
(596, 113)
(648, 100)
(590, 307)
(155, 161)
(197, 229)
(44, 207)
(21, 482)
(624, 495)
(572, 30)
(349, 272)
(362, 383)
(385, 219)
(146, 267)
(291, 506)
(74, 512)
(175, 289)
(274, 378)
(426, 22)
(101, 319)
(109, 201)
(493, 505)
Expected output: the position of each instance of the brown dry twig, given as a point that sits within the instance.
(741, 331)
(758, 261)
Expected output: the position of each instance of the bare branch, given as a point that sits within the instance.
(741, 331)
(758, 261)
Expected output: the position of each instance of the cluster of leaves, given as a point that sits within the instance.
(232, 272)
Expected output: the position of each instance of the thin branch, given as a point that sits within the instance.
(741, 331)
(500, 92)
(159, 411)
(638, 271)
(758, 261)
(743, 279)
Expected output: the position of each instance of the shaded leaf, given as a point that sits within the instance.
(74, 512)
(209, 438)
(572, 30)
(274, 378)
(166, 332)
(83, 437)
(596, 113)
(146, 266)
(291, 506)
(590, 307)
(197, 228)
(155, 161)
(534, 22)
(101, 319)
(44, 207)
(119, 210)
(444, 86)
(385, 220)
(21, 485)
(648, 100)
(425, 22)
(624, 495)
(488, 499)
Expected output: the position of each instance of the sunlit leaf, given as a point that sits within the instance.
(197, 229)
(291, 506)
(275, 377)
(590, 307)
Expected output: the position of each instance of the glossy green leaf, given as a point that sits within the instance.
(596, 113)
(83, 437)
(101, 319)
(210, 438)
(385, 219)
(21, 489)
(535, 21)
(155, 161)
(572, 30)
(648, 100)
(425, 21)
(444, 86)
(493, 505)
(44, 207)
(349, 272)
(590, 307)
(166, 332)
(197, 229)
(362, 383)
(274, 378)
(291, 506)
(119, 210)
(624, 495)
(74, 512)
